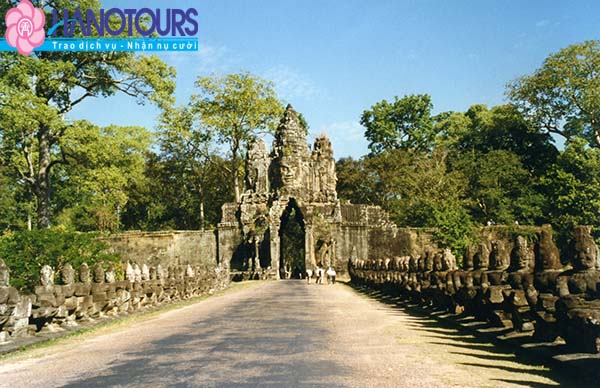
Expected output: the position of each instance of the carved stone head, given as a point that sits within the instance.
(584, 248)
(482, 257)
(413, 265)
(522, 255)
(98, 273)
(67, 274)
(109, 275)
(189, 271)
(160, 272)
(499, 256)
(421, 263)
(145, 272)
(547, 253)
(152, 272)
(448, 260)
(4, 274)
(84, 273)
(129, 273)
(469, 258)
(437, 262)
(47, 276)
(138, 272)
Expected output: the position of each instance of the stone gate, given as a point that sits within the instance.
(294, 184)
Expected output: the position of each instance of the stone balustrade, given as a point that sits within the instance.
(86, 295)
(514, 282)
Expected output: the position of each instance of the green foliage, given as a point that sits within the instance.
(563, 96)
(26, 252)
(454, 228)
(406, 123)
(236, 108)
(572, 186)
(500, 188)
(105, 165)
(40, 89)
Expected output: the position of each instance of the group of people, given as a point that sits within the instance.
(321, 275)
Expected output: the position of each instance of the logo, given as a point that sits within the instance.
(103, 30)
(25, 27)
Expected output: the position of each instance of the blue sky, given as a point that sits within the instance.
(332, 59)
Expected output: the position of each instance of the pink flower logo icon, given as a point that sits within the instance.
(25, 27)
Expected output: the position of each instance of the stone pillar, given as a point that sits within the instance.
(309, 246)
(274, 244)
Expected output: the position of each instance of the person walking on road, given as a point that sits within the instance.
(331, 275)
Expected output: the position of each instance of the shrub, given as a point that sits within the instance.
(26, 252)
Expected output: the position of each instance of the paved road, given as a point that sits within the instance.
(277, 334)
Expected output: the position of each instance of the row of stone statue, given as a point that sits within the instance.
(516, 282)
(84, 296)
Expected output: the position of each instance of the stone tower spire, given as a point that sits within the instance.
(291, 157)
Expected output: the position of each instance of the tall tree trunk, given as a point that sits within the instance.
(42, 180)
(202, 214)
(234, 170)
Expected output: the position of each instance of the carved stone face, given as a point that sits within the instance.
(67, 274)
(585, 249)
(499, 257)
(448, 260)
(4, 274)
(482, 257)
(522, 254)
(84, 273)
(98, 273)
(412, 264)
(468, 258)
(288, 173)
(584, 259)
(109, 275)
(428, 261)
(437, 262)
(46, 276)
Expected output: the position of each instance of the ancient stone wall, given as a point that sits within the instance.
(88, 294)
(511, 278)
(166, 248)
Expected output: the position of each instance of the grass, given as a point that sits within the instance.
(102, 327)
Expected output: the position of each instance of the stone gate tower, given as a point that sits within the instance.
(292, 183)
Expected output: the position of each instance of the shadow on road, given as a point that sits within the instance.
(479, 352)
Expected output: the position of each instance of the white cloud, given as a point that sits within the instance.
(542, 23)
(291, 85)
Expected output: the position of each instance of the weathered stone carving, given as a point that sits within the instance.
(567, 305)
(109, 275)
(129, 272)
(145, 272)
(98, 273)
(257, 168)
(84, 273)
(67, 274)
(4, 274)
(46, 276)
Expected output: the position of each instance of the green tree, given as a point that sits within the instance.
(355, 183)
(500, 188)
(563, 95)
(572, 186)
(190, 169)
(405, 123)
(40, 89)
(236, 107)
(92, 191)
